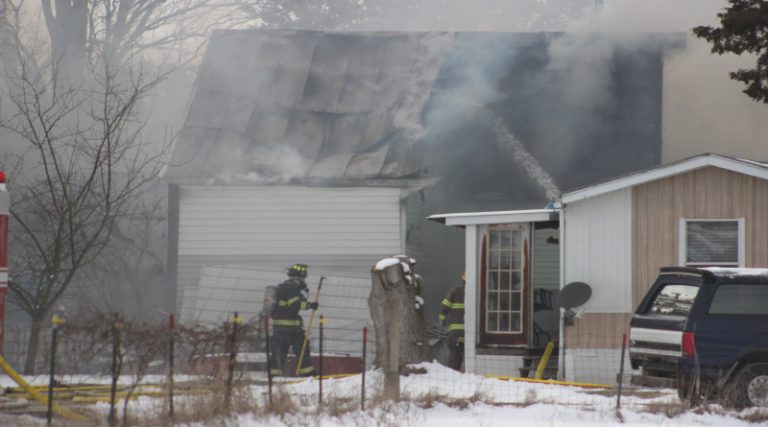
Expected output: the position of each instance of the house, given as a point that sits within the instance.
(707, 210)
(330, 148)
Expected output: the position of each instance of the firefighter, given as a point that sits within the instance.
(452, 317)
(287, 324)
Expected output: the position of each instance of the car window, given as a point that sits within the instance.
(740, 299)
(674, 300)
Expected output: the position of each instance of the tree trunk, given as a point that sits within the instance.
(33, 344)
(392, 303)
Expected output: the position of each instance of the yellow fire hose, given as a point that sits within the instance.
(553, 382)
(61, 410)
(544, 360)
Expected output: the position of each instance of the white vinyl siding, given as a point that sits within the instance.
(4, 202)
(273, 220)
(598, 249)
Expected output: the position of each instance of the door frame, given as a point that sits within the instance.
(502, 339)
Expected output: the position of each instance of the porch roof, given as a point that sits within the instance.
(497, 217)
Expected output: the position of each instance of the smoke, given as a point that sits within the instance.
(703, 110)
(469, 16)
(475, 67)
(260, 164)
(431, 51)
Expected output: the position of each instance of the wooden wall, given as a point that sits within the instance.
(597, 330)
(709, 193)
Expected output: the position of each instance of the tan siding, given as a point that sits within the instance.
(709, 193)
(597, 330)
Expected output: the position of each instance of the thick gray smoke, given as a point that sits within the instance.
(703, 110)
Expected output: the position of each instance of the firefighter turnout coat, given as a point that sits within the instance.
(290, 297)
(452, 311)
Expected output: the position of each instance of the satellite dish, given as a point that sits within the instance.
(574, 294)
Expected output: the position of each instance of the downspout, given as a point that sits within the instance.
(561, 339)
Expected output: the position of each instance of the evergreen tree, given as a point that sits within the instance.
(743, 28)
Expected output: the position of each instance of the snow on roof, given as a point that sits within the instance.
(737, 272)
(747, 167)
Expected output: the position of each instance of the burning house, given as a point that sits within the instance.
(331, 149)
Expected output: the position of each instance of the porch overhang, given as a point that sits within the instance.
(497, 217)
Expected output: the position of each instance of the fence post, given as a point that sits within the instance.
(116, 326)
(392, 365)
(171, 343)
(56, 321)
(269, 363)
(621, 370)
(232, 360)
(320, 378)
(362, 386)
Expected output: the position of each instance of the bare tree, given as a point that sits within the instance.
(84, 168)
(129, 275)
(83, 31)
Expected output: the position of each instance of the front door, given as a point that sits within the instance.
(505, 286)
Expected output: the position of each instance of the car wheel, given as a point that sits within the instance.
(750, 387)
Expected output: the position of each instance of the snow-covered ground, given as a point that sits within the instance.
(440, 397)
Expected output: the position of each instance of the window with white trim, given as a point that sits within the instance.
(504, 287)
(712, 243)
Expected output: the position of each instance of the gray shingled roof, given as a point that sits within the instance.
(277, 106)
(307, 105)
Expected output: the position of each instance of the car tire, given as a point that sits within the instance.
(749, 387)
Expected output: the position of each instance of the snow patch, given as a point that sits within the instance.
(386, 263)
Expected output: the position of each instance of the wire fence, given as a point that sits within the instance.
(177, 362)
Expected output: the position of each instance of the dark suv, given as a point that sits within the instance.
(708, 328)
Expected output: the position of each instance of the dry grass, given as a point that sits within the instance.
(755, 415)
(338, 406)
(670, 410)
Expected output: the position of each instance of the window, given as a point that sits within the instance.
(740, 299)
(504, 283)
(717, 243)
(674, 300)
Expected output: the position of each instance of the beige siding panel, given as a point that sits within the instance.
(598, 250)
(273, 220)
(597, 330)
(709, 193)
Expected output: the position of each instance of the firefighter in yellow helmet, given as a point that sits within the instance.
(287, 324)
(452, 317)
